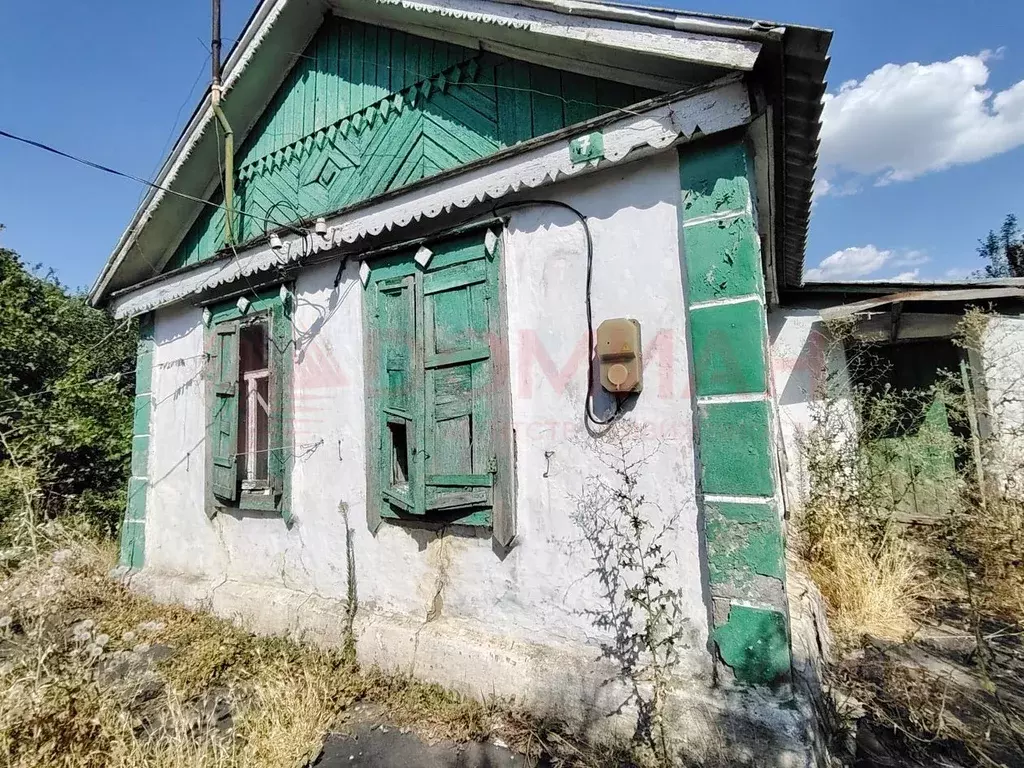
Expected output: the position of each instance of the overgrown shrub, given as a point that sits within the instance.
(66, 387)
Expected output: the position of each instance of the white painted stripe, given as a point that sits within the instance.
(752, 397)
(760, 606)
(725, 302)
(716, 498)
(713, 217)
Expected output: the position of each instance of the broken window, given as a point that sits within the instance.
(912, 422)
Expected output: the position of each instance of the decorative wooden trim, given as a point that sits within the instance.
(535, 165)
(362, 119)
(667, 43)
(238, 61)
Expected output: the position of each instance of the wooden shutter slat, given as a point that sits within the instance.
(455, 481)
(224, 421)
(457, 360)
(455, 277)
(398, 397)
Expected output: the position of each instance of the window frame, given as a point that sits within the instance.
(273, 307)
(394, 269)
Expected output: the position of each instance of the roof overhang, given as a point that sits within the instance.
(956, 296)
(662, 49)
(657, 125)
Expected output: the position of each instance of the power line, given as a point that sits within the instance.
(122, 174)
(177, 116)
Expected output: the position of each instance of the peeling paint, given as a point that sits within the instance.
(754, 644)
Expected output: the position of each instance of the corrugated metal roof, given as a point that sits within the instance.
(966, 295)
(805, 61)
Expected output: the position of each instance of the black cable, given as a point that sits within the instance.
(588, 399)
(122, 174)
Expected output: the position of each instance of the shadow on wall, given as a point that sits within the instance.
(647, 636)
(806, 365)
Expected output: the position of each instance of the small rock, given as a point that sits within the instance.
(62, 556)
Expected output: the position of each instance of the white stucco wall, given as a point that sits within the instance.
(453, 609)
(806, 363)
(1003, 362)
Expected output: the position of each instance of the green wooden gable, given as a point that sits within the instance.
(367, 110)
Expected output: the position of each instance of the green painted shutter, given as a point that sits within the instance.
(278, 359)
(224, 418)
(398, 398)
(458, 331)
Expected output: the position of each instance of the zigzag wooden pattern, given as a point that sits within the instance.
(367, 110)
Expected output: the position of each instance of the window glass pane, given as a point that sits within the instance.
(253, 346)
(262, 429)
(254, 404)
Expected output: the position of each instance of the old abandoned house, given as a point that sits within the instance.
(367, 286)
(829, 340)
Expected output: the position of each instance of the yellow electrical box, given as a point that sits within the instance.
(618, 352)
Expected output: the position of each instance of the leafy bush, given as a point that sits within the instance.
(66, 387)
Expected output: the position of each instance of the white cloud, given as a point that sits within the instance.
(860, 262)
(906, 277)
(905, 120)
(849, 263)
(959, 273)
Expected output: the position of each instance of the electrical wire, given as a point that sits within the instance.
(588, 400)
(122, 174)
(177, 116)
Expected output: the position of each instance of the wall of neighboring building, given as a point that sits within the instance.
(445, 604)
(1002, 353)
(807, 364)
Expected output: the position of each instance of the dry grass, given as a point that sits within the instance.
(82, 683)
(870, 592)
(872, 588)
(991, 543)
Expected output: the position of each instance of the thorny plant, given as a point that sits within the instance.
(631, 557)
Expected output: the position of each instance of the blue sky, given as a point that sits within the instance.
(918, 160)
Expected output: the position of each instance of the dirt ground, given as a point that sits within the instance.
(940, 699)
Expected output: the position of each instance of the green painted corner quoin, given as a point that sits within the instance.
(744, 541)
(744, 538)
(754, 644)
(714, 181)
(367, 110)
(723, 259)
(133, 528)
(728, 348)
(735, 449)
